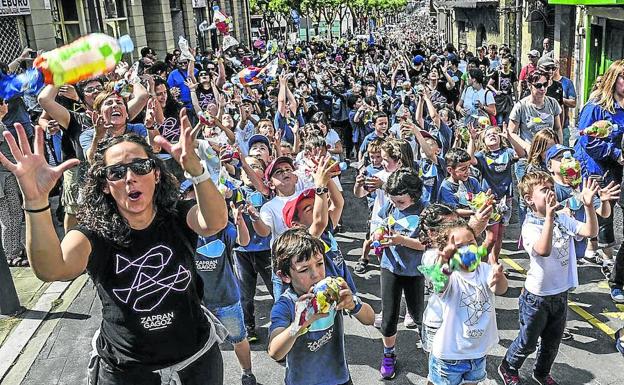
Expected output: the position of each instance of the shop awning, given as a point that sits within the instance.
(586, 2)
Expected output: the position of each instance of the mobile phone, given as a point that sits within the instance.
(33, 54)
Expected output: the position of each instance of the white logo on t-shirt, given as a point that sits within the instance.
(157, 321)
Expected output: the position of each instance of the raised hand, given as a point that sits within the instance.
(610, 193)
(590, 189)
(183, 151)
(551, 204)
(150, 114)
(35, 176)
(191, 84)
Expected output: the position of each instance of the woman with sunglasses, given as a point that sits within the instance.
(602, 159)
(136, 240)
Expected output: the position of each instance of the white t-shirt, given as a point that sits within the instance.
(243, 134)
(380, 201)
(331, 139)
(468, 329)
(271, 212)
(557, 272)
(432, 315)
(303, 172)
(470, 96)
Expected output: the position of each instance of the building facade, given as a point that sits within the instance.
(47, 24)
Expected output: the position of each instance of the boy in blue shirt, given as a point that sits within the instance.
(214, 263)
(315, 354)
(454, 189)
(431, 166)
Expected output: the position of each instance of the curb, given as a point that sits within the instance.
(33, 319)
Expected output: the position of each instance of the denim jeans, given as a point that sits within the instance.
(539, 317)
(248, 265)
(617, 274)
(519, 171)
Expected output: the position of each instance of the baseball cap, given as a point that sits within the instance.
(259, 138)
(534, 53)
(247, 99)
(268, 172)
(290, 209)
(427, 134)
(556, 150)
(418, 59)
(546, 61)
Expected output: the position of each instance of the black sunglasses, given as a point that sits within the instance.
(90, 90)
(138, 167)
(539, 86)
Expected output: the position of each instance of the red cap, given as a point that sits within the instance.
(268, 172)
(290, 210)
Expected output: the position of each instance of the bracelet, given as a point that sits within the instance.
(36, 210)
(205, 175)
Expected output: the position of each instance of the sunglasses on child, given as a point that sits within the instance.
(138, 167)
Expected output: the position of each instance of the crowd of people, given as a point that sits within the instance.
(179, 190)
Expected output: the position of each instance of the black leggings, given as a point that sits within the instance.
(392, 286)
(207, 370)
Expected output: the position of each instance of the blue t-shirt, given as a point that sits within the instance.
(367, 139)
(568, 93)
(432, 176)
(86, 138)
(176, 79)
(370, 171)
(496, 169)
(318, 356)
(286, 125)
(570, 198)
(256, 242)
(455, 194)
(213, 260)
(402, 260)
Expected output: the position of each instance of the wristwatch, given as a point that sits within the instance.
(321, 190)
(204, 176)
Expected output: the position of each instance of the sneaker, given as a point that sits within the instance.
(507, 376)
(248, 379)
(252, 336)
(388, 366)
(360, 266)
(378, 318)
(548, 380)
(592, 258)
(606, 271)
(617, 295)
(566, 335)
(409, 322)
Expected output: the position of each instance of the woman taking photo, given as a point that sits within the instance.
(601, 159)
(136, 240)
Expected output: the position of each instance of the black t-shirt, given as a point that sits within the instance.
(555, 91)
(485, 61)
(205, 97)
(70, 141)
(150, 293)
(504, 82)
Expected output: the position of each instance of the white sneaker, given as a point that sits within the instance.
(378, 318)
(408, 322)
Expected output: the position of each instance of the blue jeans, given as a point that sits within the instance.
(231, 317)
(456, 372)
(278, 286)
(539, 317)
(519, 171)
(248, 265)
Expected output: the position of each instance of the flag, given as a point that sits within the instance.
(256, 75)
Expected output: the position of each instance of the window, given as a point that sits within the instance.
(115, 17)
(66, 20)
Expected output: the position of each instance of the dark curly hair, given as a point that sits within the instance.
(405, 181)
(98, 211)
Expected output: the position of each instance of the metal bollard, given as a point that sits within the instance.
(9, 303)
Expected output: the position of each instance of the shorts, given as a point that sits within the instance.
(233, 319)
(72, 179)
(456, 372)
(427, 334)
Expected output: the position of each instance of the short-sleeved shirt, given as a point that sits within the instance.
(570, 198)
(286, 125)
(470, 96)
(432, 176)
(557, 272)
(150, 293)
(402, 260)
(214, 262)
(504, 82)
(454, 194)
(70, 140)
(531, 119)
(256, 242)
(496, 170)
(318, 356)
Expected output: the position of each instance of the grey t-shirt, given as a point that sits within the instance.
(531, 119)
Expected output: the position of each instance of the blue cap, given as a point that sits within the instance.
(557, 149)
(259, 138)
(418, 59)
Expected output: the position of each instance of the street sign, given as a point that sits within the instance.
(14, 7)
